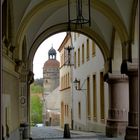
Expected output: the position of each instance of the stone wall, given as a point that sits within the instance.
(10, 99)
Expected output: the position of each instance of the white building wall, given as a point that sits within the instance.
(65, 89)
(95, 65)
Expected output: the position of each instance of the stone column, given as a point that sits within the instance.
(118, 104)
(30, 80)
(131, 69)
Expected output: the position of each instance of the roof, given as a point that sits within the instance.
(51, 63)
(52, 51)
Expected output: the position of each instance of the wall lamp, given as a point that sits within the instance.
(77, 84)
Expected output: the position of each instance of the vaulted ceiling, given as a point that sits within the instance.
(34, 18)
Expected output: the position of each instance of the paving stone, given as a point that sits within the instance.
(56, 133)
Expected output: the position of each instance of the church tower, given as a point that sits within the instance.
(51, 72)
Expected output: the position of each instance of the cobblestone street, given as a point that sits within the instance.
(51, 133)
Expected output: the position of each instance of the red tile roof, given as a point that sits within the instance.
(51, 63)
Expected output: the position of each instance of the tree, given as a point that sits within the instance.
(36, 109)
(36, 88)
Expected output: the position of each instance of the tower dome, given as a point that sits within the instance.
(51, 64)
(52, 53)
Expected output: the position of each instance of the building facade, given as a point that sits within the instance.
(114, 27)
(91, 92)
(65, 83)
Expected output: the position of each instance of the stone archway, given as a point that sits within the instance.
(113, 18)
(33, 21)
(62, 28)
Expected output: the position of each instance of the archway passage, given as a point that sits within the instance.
(86, 65)
(114, 27)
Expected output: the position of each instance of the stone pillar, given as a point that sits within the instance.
(30, 80)
(131, 69)
(118, 104)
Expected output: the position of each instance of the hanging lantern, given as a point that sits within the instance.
(79, 12)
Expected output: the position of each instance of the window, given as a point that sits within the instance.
(88, 98)
(94, 98)
(79, 110)
(62, 59)
(93, 48)
(61, 83)
(75, 59)
(87, 49)
(83, 56)
(102, 96)
(64, 81)
(67, 110)
(78, 57)
(68, 79)
(62, 113)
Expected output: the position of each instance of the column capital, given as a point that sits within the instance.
(19, 65)
(115, 77)
(130, 68)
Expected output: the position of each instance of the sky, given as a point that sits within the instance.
(41, 54)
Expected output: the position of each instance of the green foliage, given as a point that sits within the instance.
(36, 110)
(36, 88)
(35, 102)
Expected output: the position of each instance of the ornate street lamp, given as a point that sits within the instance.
(75, 12)
(76, 84)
